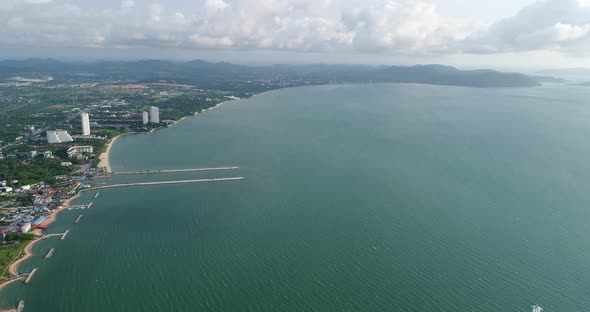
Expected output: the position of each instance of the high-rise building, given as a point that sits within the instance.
(145, 118)
(154, 114)
(58, 136)
(85, 124)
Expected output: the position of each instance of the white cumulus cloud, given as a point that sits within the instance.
(560, 25)
(376, 26)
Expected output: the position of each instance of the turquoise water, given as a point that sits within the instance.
(356, 198)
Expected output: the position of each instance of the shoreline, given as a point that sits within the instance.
(28, 250)
(52, 217)
(104, 157)
(196, 114)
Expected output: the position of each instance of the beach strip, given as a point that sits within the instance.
(104, 157)
(13, 268)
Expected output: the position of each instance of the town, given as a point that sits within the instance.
(50, 152)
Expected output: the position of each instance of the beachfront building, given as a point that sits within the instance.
(77, 151)
(58, 136)
(145, 118)
(85, 124)
(154, 114)
(25, 228)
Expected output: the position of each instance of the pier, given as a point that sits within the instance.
(76, 207)
(51, 235)
(78, 219)
(171, 182)
(87, 206)
(177, 170)
(50, 253)
(21, 306)
(30, 276)
(63, 236)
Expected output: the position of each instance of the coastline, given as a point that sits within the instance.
(196, 114)
(104, 157)
(28, 250)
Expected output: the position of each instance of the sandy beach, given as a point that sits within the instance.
(104, 157)
(13, 268)
(28, 250)
(213, 107)
(28, 253)
(53, 215)
(8, 282)
(8, 309)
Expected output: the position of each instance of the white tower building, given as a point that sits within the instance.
(154, 114)
(58, 136)
(145, 118)
(85, 124)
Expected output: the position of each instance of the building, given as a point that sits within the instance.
(77, 151)
(154, 114)
(27, 155)
(25, 228)
(58, 136)
(85, 123)
(66, 164)
(39, 220)
(47, 154)
(145, 118)
(7, 189)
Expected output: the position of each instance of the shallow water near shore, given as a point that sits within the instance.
(356, 198)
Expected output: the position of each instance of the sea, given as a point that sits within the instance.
(377, 197)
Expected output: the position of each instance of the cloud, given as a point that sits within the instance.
(553, 25)
(127, 4)
(379, 26)
(216, 4)
(382, 26)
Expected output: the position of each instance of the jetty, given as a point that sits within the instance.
(77, 207)
(21, 306)
(30, 276)
(51, 235)
(170, 182)
(63, 236)
(50, 253)
(151, 171)
(78, 219)
(96, 195)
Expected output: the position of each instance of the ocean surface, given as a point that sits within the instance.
(356, 198)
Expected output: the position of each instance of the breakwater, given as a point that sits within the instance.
(30, 276)
(170, 182)
(150, 171)
(50, 253)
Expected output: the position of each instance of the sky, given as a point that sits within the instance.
(504, 34)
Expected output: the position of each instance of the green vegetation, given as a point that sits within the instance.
(58, 106)
(14, 236)
(31, 171)
(8, 254)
